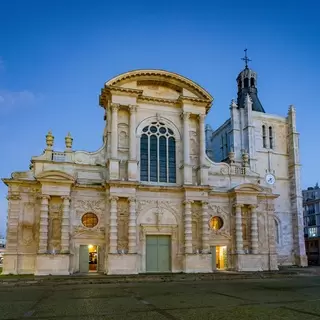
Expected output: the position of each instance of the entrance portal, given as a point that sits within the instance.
(219, 257)
(158, 254)
(88, 258)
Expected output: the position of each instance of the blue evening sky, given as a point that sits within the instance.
(56, 55)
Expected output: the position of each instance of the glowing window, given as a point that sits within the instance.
(89, 220)
(216, 223)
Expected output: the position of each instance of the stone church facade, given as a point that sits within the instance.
(164, 193)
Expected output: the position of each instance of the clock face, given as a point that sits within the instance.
(270, 179)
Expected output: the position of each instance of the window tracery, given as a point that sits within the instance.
(157, 154)
(89, 220)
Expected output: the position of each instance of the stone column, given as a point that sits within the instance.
(239, 239)
(132, 226)
(188, 226)
(254, 230)
(43, 233)
(113, 225)
(65, 224)
(114, 130)
(13, 222)
(132, 162)
(186, 138)
(132, 134)
(205, 228)
(202, 150)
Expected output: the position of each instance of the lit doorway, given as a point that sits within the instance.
(88, 258)
(219, 257)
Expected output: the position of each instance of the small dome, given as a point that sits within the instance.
(247, 85)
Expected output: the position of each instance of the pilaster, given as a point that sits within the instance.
(204, 169)
(294, 172)
(65, 225)
(13, 222)
(43, 233)
(188, 226)
(273, 258)
(114, 161)
(239, 238)
(187, 168)
(205, 228)
(254, 230)
(236, 130)
(132, 226)
(113, 225)
(132, 162)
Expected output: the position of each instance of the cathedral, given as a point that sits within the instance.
(165, 192)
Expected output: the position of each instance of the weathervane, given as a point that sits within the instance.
(246, 59)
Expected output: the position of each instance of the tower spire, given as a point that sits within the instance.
(246, 59)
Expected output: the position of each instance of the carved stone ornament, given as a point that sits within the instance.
(96, 206)
(223, 213)
(171, 206)
(49, 140)
(28, 231)
(79, 230)
(13, 196)
(224, 170)
(68, 141)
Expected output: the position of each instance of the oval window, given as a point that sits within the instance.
(89, 220)
(216, 223)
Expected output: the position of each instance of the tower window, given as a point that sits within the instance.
(252, 84)
(157, 154)
(246, 82)
(270, 138)
(264, 136)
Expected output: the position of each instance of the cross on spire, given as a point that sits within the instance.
(246, 59)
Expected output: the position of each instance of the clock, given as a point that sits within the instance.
(270, 179)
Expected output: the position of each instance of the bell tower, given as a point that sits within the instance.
(247, 85)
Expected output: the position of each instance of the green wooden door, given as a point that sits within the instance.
(158, 254)
(84, 259)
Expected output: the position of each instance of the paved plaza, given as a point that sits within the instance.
(295, 298)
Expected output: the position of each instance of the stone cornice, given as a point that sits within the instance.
(197, 101)
(195, 188)
(161, 75)
(8, 181)
(156, 100)
(126, 91)
(107, 92)
(88, 186)
(120, 184)
(153, 188)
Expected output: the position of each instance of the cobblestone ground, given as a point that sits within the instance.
(295, 298)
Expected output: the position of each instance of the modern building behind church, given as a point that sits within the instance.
(164, 193)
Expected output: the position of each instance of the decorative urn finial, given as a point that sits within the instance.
(245, 158)
(68, 141)
(231, 156)
(49, 140)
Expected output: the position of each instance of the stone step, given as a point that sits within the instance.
(109, 279)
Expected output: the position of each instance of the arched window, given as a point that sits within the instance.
(264, 137)
(252, 82)
(270, 138)
(157, 154)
